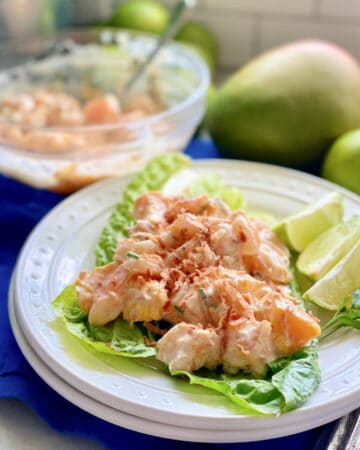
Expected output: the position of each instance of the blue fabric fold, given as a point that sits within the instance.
(21, 208)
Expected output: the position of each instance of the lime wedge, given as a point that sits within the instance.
(328, 248)
(340, 281)
(307, 224)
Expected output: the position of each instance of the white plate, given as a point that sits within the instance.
(62, 244)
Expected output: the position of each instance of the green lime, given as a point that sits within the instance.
(339, 282)
(197, 33)
(328, 248)
(144, 15)
(209, 98)
(303, 227)
(342, 162)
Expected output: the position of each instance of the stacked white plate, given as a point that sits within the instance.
(133, 394)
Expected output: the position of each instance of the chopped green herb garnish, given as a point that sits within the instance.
(344, 316)
(202, 293)
(178, 309)
(133, 255)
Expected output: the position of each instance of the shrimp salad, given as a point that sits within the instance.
(38, 119)
(218, 277)
(205, 289)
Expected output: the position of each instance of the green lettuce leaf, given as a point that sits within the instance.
(116, 338)
(296, 376)
(295, 287)
(212, 185)
(151, 178)
(252, 397)
(290, 383)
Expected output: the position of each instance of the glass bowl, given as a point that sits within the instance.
(67, 157)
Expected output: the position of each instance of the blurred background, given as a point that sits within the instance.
(243, 28)
(228, 35)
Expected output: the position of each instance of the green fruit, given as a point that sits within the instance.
(200, 35)
(210, 93)
(144, 15)
(342, 279)
(342, 162)
(301, 228)
(288, 104)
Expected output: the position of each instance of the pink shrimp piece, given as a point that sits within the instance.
(292, 327)
(189, 347)
(187, 305)
(104, 109)
(135, 246)
(271, 262)
(234, 239)
(151, 207)
(144, 301)
(99, 293)
(194, 254)
(248, 346)
(181, 205)
(184, 227)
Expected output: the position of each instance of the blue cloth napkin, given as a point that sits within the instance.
(21, 208)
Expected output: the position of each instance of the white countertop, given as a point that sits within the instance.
(22, 429)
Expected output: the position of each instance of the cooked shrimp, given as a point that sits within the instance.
(99, 293)
(189, 347)
(181, 205)
(216, 208)
(194, 254)
(292, 327)
(133, 246)
(229, 294)
(271, 262)
(106, 308)
(248, 346)
(147, 265)
(144, 301)
(151, 207)
(104, 109)
(19, 102)
(188, 306)
(58, 141)
(214, 296)
(234, 238)
(184, 227)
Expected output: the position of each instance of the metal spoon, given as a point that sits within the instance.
(169, 31)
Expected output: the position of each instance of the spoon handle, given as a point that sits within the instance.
(169, 31)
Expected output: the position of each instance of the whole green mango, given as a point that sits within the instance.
(287, 105)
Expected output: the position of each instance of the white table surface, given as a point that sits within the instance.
(22, 429)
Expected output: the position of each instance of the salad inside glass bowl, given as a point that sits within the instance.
(63, 123)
